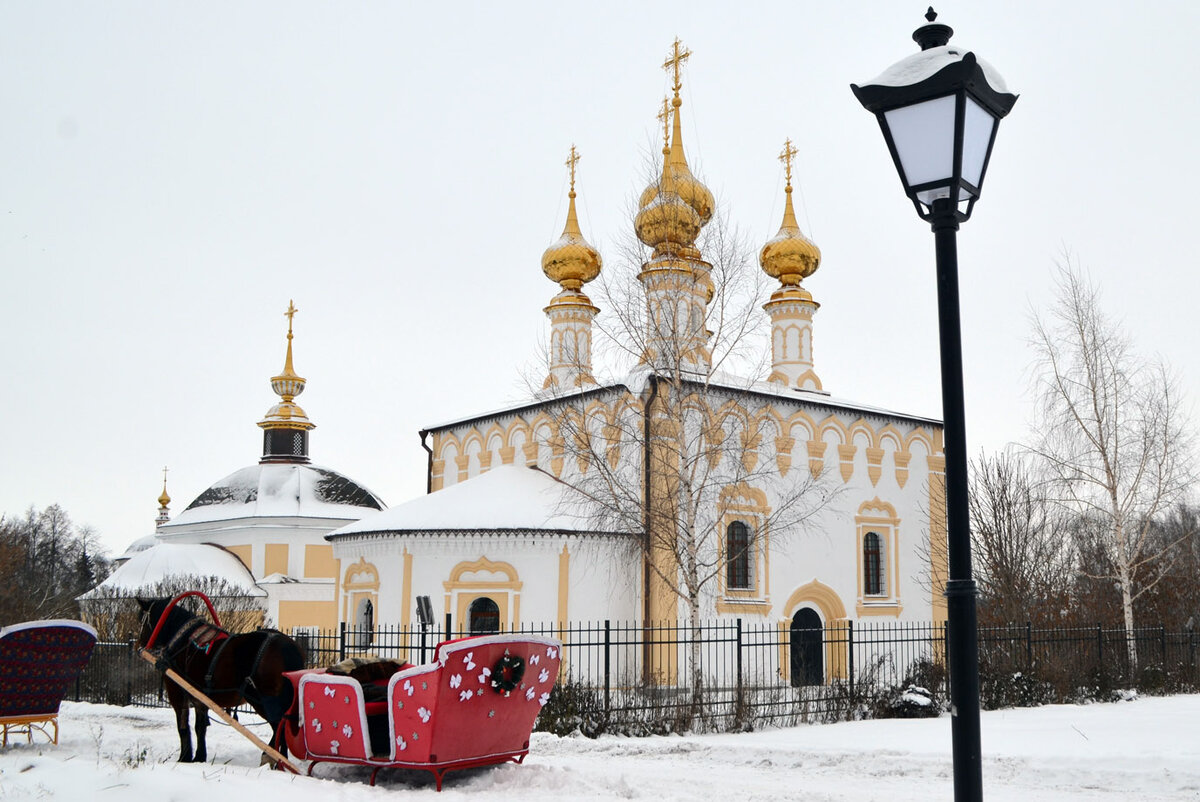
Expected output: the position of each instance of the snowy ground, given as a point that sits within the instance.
(1148, 749)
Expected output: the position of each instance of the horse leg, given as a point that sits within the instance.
(185, 734)
(201, 729)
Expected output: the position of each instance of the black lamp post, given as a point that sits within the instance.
(939, 110)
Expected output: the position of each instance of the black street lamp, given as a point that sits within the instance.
(939, 110)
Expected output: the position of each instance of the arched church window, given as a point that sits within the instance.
(737, 557)
(872, 565)
(483, 616)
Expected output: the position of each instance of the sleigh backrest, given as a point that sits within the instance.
(39, 662)
(480, 698)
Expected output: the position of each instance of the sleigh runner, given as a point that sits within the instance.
(474, 706)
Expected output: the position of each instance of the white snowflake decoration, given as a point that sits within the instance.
(545, 675)
(483, 677)
(333, 746)
(535, 659)
(545, 697)
(468, 662)
(348, 731)
(424, 714)
(401, 743)
(465, 695)
(529, 693)
(316, 725)
(455, 680)
(330, 692)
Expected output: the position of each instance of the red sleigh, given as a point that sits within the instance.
(474, 706)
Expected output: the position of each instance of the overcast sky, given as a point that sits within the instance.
(172, 174)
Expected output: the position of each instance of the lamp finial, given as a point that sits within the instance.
(932, 34)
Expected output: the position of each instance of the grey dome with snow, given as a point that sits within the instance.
(280, 490)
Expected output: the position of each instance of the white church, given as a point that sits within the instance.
(678, 492)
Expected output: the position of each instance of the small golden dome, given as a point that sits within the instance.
(287, 385)
(164, 499)
(789, 256)
(571, 260)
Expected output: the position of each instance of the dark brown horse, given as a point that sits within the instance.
(229, 669)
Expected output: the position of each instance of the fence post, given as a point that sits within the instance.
(739, 662)
(129, 671)
(341, 641)
(607, 682)
(1029, 646)
(449, 625)
(1162, 643)
(1100, 650)
(850, 653)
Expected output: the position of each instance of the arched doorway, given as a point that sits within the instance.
(483, 616)
(808, 664)
(364, 624)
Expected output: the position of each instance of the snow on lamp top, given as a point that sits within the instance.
(940, 68)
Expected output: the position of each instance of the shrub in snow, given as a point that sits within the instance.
(908, 701)
(1016, 689)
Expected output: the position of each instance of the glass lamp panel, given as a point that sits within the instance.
(978, 125)
(923, 134)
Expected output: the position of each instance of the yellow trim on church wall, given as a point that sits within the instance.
(833, 614)
(874, 465)
(740, 502)
(846, 460)
(901, 459)
(319, 562)
(939, 569)
(242, 553)
(275, 559)
(360, 581)
(320, 614)
(879, 517)
(564, 585)
(506, 593)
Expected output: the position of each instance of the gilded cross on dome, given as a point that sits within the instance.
(571, 161)
(665, 117)
(789, 151)
(679, 54)
(289, 314)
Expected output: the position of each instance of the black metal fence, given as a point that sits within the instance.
(733, 674)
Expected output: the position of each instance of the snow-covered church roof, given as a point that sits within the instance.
(506, 498)
(149, 567)
(269, 490)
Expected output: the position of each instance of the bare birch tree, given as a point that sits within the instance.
(1112, 436)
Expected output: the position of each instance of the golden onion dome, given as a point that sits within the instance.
(789, 256)
(667, 220)
(571, 260)
(164, 499)
(691, 190)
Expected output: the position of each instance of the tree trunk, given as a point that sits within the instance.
(1130, 637)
